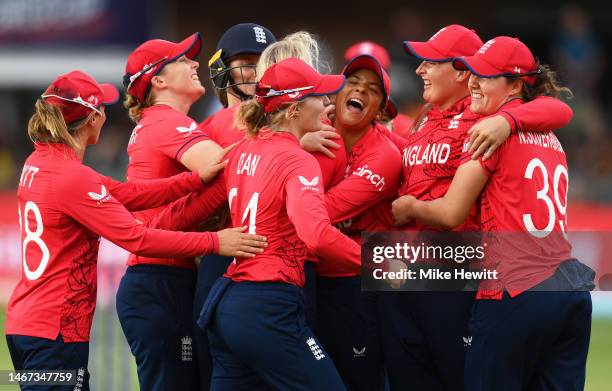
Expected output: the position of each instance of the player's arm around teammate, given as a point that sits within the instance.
(64, 208)
(162, 83)
(360, 201)
(258, 332)
(435, 355)
(512, 321)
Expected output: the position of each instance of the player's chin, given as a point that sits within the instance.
(198, 90)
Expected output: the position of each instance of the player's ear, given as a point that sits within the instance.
(158, 81)
(293, 111)
(462, 76)
(516, 86)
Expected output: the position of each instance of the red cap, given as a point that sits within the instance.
(501, 56)
(391, 109)
(292, 80)
(150, 58)
(369, 62)
(450, 42)
(371, 48)
(76, 93)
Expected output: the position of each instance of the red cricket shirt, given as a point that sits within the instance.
(434, 152)
(362, 200)
(155, 149)
(524, 205)
(221, 128)
(64, 208)
(275, 188)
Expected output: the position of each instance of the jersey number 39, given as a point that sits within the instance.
(543, 195)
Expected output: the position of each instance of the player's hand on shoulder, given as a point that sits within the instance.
(321, 141)
(234, 242)
(487, 135)
(209, 172)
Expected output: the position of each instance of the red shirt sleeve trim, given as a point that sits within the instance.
(184, 147)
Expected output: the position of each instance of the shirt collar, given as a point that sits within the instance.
(60, 149)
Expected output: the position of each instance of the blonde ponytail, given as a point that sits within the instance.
(252, 117)
(47, 125)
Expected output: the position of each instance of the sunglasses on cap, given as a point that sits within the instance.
(128, 80)
(76, 99)
(271, 92)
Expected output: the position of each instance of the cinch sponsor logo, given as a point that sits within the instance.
(309, 184)
(431, 154)
(377, 180)
(100, 198)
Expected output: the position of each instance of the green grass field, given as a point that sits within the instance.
(599, 365)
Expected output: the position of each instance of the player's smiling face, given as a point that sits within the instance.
(489, 94)
(181, 77)
(359, 102)
(438, 82)
(246, 74)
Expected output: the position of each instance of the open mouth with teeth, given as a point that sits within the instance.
(476, 95)
(355, 105)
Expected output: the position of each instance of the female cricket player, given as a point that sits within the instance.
(155, 296)
(361, 201)
(320, 144)
(520, 338)
(423, 331)
(392, 118)
(64, 208)
(258, 332)
(232, 71)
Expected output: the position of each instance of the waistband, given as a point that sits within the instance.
(160, 269)
(253, 287)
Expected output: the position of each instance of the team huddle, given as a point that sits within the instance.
(272, 194)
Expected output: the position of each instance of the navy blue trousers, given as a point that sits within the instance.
(534, 341)
(348, 327)
(423, 338)
(210, 269)
(33, 353)
(155, 309)
(260, 340)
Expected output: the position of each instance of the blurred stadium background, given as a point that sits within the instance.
(40, 39)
